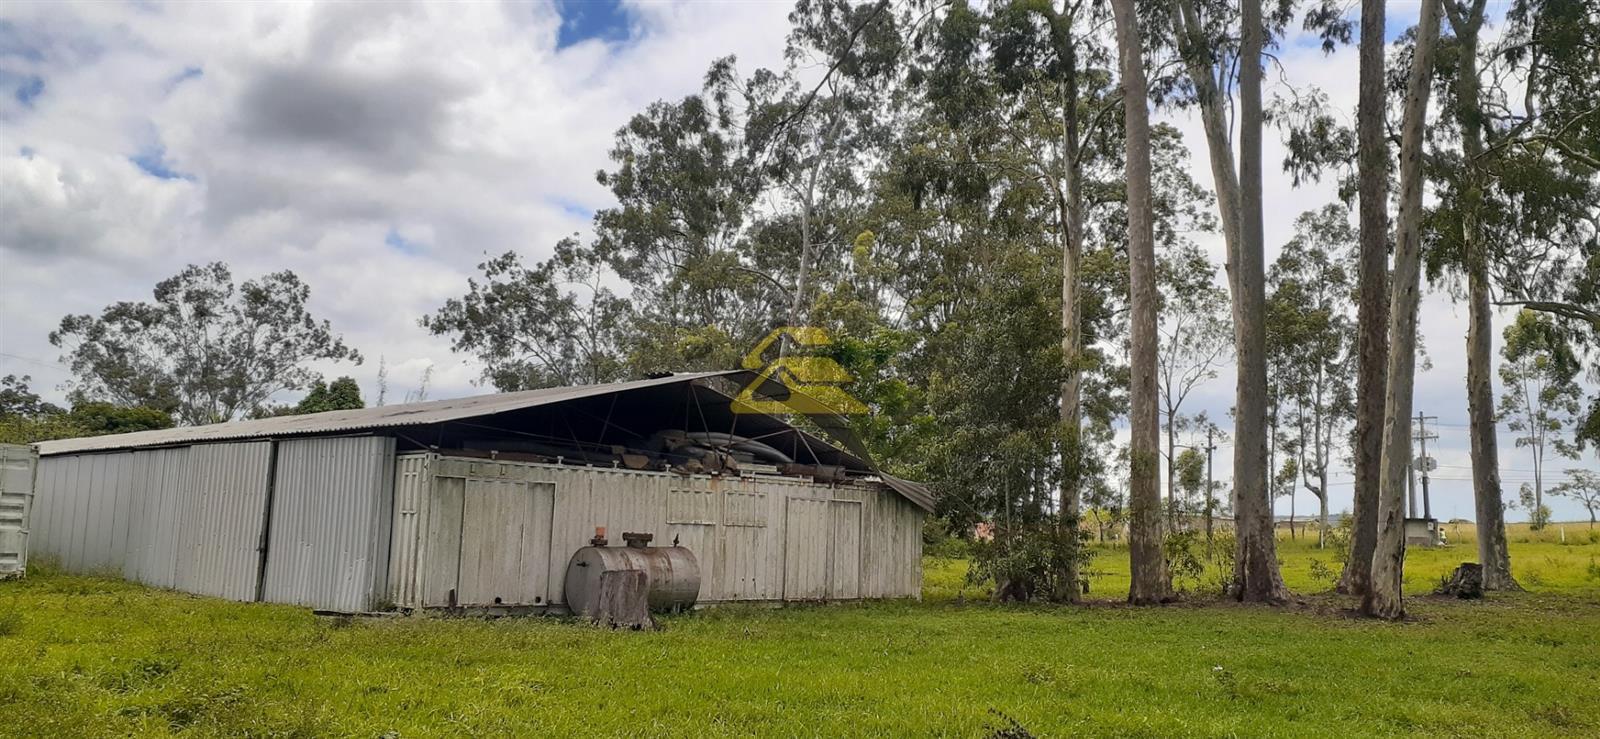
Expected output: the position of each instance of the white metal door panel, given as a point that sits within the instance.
(224, 493)
(441, 549)
(18, 465)
(505, 542)
(806, 538)
(742, 563)
(844, 570)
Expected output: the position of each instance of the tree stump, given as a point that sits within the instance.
(1465, 583)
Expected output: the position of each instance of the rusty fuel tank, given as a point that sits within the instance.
(672, 573)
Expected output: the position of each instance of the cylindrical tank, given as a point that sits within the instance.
(672, 574)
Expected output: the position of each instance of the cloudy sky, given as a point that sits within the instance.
(382, 150)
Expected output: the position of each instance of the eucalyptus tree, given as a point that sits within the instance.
(810, 142)
(1054, 69)
(1194, 339)
(1218, 64)
(1310, 312)
(1148, 583)
(1384, 600)
(18, 399)
(206, 350)
(1542, 398)
(1516, 210)
(1372, 289)
(1583, 487)
(1190, 473)
(686, 195)
(1256, 575)
(955, 259)
(550, 324)
(973, 181)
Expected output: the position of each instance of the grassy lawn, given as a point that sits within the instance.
(83, 656)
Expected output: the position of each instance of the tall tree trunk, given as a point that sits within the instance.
(1210, 512)
(1292, 498)
(1388, 558)
(1072, 383)
(797, 301)
(1172, 469)
(1192, 46)
(1492, 550)
(1320, 434)
(802, 280)
(1322, 513)
(1071, 206)
(1372, 312)
(1538, 488)
(1148, 583)
(1257, 576)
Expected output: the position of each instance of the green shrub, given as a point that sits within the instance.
(937, 541)
(1030, 561)
(1186, 565)
(1196, 567)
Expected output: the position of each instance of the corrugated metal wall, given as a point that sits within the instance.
(328, 539)
(737, 528)
(17, 465)
(187, 518)
(192, 518)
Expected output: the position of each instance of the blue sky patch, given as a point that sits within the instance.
(187, 74)
(29, 90)
(401, 244)
(582, 20)
(14, 42)
(573, 208)
(152, 160)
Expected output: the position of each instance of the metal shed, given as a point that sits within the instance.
(480, 501)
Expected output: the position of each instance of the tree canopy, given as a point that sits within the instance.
(205, 350)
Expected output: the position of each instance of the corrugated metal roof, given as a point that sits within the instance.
(388, 416)
(441, 411)
(915, 492)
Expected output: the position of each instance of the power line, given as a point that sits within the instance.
(31, 360)
(1468, 467)
(1468, 479)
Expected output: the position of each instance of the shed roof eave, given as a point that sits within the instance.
(360, 419)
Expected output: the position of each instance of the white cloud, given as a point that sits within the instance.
(306, 135)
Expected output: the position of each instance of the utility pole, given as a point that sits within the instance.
(1411, 480)
(1210, 498)
(1423, 461)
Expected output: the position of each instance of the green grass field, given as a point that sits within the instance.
(84, 656)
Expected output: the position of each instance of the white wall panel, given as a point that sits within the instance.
(738, 529)
(329, 540)
(18, 465)
(185, 518)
